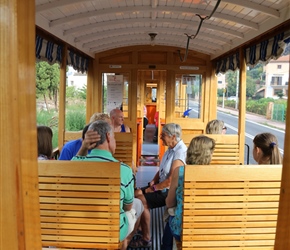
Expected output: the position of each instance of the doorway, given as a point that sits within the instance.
(152, 85)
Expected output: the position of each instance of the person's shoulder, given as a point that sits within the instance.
(72, 143)
(127, 128)
(182, 145)
(125, 166)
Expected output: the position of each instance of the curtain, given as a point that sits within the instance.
(77, 61)
(231, 62)
(264, 51)
(51, 52)
(47, 50)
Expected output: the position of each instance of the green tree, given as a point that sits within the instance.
(231, 79)
(280, 94)
(251, 87)
(47, 81)
(220, 92)
(255, 72)
(71, 92)
(82, 93)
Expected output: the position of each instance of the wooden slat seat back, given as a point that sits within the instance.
(72, 135)
(226, 150)
(230, 207)
(124, 147)
(80, 204)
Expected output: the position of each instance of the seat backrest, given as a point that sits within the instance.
(80, 204)
(226, 151)
(124, 144)
(72, 135)
(230, 207)
(124, 147)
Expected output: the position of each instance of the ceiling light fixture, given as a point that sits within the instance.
(152, 38)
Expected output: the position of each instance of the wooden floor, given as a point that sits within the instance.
(144, 175)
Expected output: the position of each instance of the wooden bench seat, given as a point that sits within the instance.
(230, 207)
(124, 148)
(227, 150)
(124, 145)
(80, 204)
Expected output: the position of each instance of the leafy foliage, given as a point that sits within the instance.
(47, 81)
(251, 87)
(73, 92)
(75, 117)
(231, 79)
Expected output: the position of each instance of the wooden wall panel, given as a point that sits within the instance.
(152, 57)
(124, 58)
(19, 203)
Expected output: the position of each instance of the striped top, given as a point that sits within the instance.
(127, 183)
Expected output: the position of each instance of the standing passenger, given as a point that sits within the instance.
(266, 149)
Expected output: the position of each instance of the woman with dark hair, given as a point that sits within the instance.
(266, 150)
(44, 142)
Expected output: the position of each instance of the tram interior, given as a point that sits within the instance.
(151, 58)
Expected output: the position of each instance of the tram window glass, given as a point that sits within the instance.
(112, 85)
(188, 95)
(47, 96)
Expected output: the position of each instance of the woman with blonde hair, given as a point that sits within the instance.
(199, 152)
(266, 149)
(216, 127)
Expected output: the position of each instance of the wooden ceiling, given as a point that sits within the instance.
(100, 25)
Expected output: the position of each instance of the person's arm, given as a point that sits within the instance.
(165, 183)
(171, 197)
(127, 129)
(127, 207)
(91, 137)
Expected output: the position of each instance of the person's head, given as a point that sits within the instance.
(44, 141)
(106, 133)
(100, 116)
(200, 150)
(216, 127)
(117, 117)
(171, 134)
(266, 149)
(85, 130)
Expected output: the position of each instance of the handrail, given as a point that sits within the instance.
(248, 154)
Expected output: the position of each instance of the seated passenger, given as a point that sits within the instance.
(117, 119)
(266, 149)
(199, 152)
(102, 151)
(215, 127)
(71, 148)
(154, 196)
(44, 142)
